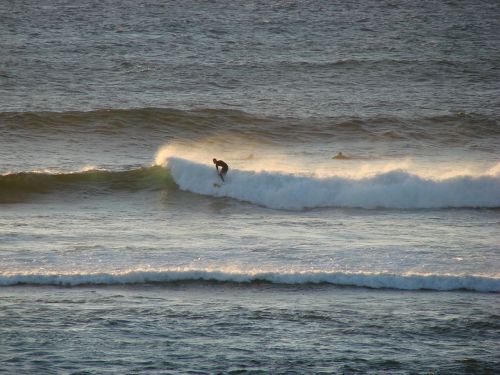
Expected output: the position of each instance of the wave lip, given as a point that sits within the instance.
(358, 279)
(395, 189)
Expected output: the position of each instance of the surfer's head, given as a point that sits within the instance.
(214, 160)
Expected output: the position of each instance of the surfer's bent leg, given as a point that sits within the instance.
(223, 173)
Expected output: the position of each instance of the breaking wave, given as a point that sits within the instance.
(395, 189)
(290, 191)
(358, 279)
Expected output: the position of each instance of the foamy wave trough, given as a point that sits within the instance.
(395, 189)
(369, 280)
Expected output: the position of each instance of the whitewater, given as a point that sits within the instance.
(358, 279)
(394, 189)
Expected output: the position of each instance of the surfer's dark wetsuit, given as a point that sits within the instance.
(223, 166)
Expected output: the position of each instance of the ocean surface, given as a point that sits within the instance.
(122, 252)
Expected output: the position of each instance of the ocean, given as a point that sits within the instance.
(122, 251)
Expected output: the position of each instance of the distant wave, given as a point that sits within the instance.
(16, 187)
(395, 189)
(115, 121)
(359, 279)
(204, 122)
(384, 62)
(351, 63)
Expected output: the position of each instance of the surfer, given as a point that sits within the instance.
(223, 170)
(340, 156)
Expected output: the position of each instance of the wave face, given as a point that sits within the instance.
(369, 280)
(395, 189)
(16, 187)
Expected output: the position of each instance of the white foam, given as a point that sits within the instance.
(370, 280)
(393, 189)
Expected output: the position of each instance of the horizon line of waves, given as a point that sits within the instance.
(436, 282)
(15, 187)
(394, 189)
(203, 121)
(444, 64)
(108, 121)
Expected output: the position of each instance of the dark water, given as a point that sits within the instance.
(221, 328)
(303, 58)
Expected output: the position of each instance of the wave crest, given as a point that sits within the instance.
(395, 189)
(358, 279)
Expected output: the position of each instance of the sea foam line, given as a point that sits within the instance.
(395, 189)
(359, 279)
